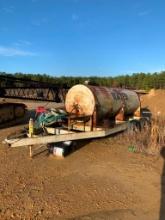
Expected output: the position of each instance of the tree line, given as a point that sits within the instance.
(135, 81)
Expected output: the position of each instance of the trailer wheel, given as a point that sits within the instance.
(133, 126)
(145, 123)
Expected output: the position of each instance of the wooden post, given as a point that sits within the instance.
(30, 151)
(69, 123)
(94, 119)
(91, 122)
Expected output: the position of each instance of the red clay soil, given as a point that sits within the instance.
(155, 101)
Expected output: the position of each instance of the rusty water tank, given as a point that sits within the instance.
(84, 99)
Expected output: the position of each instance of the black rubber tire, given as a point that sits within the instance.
(133, 126)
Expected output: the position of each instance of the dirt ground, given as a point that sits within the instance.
(155, 101)
(101, 180)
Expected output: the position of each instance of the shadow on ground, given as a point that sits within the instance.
(75, 146)
(109, 215)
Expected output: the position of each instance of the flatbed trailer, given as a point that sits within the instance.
(58, 135)
(66, 135)
(75, 132)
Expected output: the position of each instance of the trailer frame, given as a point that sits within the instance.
(62, 135)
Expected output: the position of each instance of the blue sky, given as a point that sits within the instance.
(82, 37)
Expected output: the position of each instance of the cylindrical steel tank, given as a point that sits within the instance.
(84, 99)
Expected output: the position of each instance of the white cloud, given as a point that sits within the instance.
(11, 51)
(39, 22)
(144, 13)
(8, 10)
(21, 43)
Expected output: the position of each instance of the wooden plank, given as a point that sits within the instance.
(57, 131)
(68, 137)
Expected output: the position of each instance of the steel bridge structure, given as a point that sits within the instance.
(12, 87)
